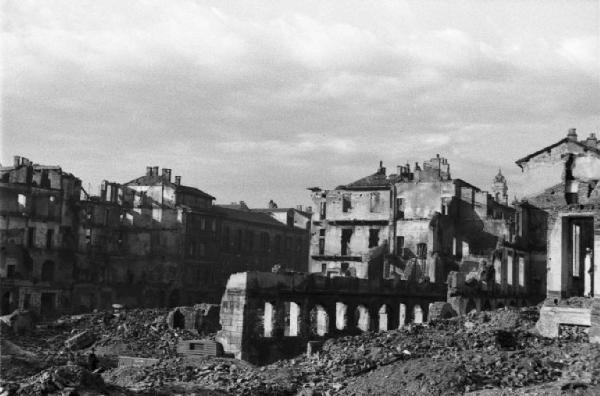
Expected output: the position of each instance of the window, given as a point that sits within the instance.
(298, 244)
(31, 236)
(323, 210)
(201, 249)
(324, 268)
(88, 237)
(346, 203)
(288, 243)
(48, 271)
(322, 241)
(422, 250)
(400, 208)
(226, 239)
(10, 270)
(265, 241)
(22, 201)
(238, 241)
(375, 203)
(278, 243)
(250, 240)
(399, 244)
(49, 239)
(346, 235)
(521, 271)
(576, 250)
(213, 225)
(373, 238)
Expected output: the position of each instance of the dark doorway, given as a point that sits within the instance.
(47, 304)
(6, 306)
(48, 271)
(178, 320)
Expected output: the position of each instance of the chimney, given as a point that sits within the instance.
(178, 180)
(16, 161)
(591, 141)
(399, 170)
(166, 173)
(155, 171)
(572, 135)
(299, 208)
(148, 171)
(309, 209)
(381, 168)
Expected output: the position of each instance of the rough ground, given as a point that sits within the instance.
(494, 353)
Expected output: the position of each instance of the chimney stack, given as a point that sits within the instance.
(148, 171)
(178, 180)
(166, 173)
(16, 161)
(155, 171)
(591, 141)
(25, 161)
(572, 135)
(299, 208)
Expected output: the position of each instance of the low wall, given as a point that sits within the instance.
(268, 316)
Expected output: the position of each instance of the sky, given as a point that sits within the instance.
(258, 100)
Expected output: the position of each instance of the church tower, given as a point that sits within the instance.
(499, 189)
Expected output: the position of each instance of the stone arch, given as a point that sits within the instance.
(178, 320)
(341, 316)
(47, 274)
(401, 315)
(362, 318)
(471, 305)
(292, 319)
(319, 320)
(384, 317)
(417, 314)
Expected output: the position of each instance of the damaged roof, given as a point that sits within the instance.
(580, 144)
(157, 180)
(376, 180)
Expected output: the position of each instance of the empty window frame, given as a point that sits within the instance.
(346, 203)
(422, 250)
(373, 237)
(345, 240)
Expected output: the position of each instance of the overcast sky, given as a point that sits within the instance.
(252, 100)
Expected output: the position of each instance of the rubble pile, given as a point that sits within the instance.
(479, 352)
(62, 380)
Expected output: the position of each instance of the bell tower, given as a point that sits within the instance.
(500, 189)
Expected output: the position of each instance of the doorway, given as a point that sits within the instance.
(580, 243)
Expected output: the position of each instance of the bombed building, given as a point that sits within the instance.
(152, 241)
(420, 223)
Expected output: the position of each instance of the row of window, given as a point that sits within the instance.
(249, 241)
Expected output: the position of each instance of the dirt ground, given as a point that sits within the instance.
(492, 353)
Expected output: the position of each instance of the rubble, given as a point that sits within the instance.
(478, 353)
(81, 340)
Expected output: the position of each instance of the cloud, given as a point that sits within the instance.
(315, 92)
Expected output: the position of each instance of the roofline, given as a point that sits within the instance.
(520, 162)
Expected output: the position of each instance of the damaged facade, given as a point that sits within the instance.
(566, 223)
(419, 224)
(149, 242)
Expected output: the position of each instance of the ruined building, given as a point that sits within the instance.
(421, 224)
(149, 242)
(38, 235)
